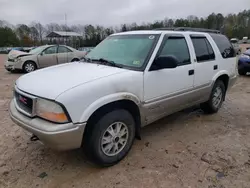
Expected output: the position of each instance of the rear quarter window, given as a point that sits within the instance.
(224, 45)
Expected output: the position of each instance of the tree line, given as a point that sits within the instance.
(34, 34)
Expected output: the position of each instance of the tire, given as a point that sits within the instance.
(242, 72)
(29, 66)
(105, 154)
(74, 60)
(212, 105)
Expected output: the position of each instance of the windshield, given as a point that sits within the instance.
(37, 50)
(127, 50)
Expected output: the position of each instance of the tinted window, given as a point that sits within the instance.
(62, 49)
(50, 50)
(210, 49)
(178, 48)
(203, 49)
(224, 45)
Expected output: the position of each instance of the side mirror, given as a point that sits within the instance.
(165, 62)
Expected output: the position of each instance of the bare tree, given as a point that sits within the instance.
(40, 29)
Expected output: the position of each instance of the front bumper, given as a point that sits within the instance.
(57, 136)
(10, 66)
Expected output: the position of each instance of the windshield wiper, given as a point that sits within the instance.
(107, 62)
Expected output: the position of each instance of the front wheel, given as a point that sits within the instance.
(29, 67)
(216, 98)
(111, 138)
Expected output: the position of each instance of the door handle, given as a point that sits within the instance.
(191, 72)
(215, 67)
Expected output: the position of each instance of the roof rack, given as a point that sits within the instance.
(189, 29)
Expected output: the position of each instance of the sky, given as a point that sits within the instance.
(111, 12)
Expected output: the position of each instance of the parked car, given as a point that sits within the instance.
(128, 81)
(41, 57)
(244, 63)
(3, 50)
(237, 48)
(245, 39)
(234, 40)
(235, 43)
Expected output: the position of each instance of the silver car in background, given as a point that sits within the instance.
(40, 57)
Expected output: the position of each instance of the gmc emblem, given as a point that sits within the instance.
(22, 99)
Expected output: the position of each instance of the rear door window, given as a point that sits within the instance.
(62, 49)
(224, 45)
(203, 49)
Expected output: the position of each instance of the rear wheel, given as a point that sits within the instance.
(242, 72)
(29, 66)
(110, 138)
(216, 98)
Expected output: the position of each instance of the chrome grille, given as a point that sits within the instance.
(25, 103)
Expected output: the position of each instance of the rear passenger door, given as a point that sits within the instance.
(64, 55)
(206, 66)
(226, 56)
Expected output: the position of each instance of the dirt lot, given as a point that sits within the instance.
(188, 149)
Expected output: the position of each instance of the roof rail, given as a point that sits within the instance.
(189, 29)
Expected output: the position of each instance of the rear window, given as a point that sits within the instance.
(224, 45)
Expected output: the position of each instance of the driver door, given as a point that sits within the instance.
(167, 90)
(48, 57)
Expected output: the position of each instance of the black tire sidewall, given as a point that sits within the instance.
(94, 143)
(242, 72)
(220, 84)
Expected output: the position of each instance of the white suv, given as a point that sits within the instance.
(129, 80)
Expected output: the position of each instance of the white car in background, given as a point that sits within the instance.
(245, 39)
(40, 57)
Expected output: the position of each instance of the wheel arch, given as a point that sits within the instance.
(224, 77)
(75, 59)
(29, 61)
(127, 102)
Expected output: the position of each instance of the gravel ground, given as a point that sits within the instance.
(187, 149)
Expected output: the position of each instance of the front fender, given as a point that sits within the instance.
(106, 100)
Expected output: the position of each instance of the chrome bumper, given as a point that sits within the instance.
(57, 136)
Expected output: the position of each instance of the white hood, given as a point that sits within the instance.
(51, 82)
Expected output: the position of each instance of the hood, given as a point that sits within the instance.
(15, 54)
(51, 82)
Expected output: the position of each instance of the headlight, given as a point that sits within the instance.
(17, 59)
(51, 111)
